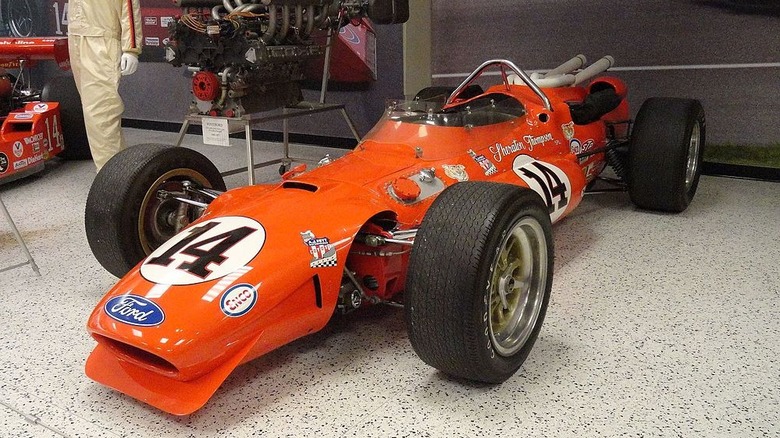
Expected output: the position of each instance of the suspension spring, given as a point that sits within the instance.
(617, 162)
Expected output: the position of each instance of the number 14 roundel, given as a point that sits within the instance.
(550, 182)
(204, 252)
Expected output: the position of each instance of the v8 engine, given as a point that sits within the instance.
(249, 55)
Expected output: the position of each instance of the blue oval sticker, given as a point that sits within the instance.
(134, 310)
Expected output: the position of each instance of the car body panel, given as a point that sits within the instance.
(28, 137)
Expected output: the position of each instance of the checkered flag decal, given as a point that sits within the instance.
(324, 263)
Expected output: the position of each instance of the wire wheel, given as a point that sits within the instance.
(20, 18)
(517, 287)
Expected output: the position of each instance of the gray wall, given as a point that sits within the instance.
(741, 103)
(160, 92)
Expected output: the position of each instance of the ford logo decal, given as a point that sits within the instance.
(135, 310)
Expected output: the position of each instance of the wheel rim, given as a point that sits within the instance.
(693, 156)
(159, 220)
(20, 19)
(517, 286)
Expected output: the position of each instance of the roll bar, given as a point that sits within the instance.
(503, 64)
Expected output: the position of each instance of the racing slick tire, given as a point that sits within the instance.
(665, 154)
(124, 219)
(62, 89)
(479, 280)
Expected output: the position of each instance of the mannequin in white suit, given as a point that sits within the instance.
(104, 39)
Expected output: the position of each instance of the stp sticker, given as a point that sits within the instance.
(238, 300)
(18, 149)
(23, 116)
(206, 251)
(549, 181)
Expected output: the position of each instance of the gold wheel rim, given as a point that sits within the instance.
(517, 286)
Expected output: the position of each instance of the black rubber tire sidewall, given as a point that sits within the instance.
(62, 89)
(114, 201)
(445, 296)
(658, 153)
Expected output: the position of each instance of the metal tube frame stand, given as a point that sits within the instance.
(288, 112)
(30, 261)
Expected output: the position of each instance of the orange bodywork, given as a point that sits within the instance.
(265, 264)
(28, 137)
(31, 132)
(30, 50)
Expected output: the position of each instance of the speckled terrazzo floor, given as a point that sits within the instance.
(659, 325)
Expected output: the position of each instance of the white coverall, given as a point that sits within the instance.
(99, 32)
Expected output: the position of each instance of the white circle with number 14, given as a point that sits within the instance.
(206, 251)
(549, 181)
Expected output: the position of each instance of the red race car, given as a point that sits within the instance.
(444, 207)
(35, 123)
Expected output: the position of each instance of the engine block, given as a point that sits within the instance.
(248, 56)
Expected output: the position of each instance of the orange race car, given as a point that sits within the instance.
(36, 123)
(445, 207)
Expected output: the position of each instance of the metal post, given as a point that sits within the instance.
(183, 131)
(351, 124)
(250, 153)
(286, 140)
(19, 239)
(326, 67)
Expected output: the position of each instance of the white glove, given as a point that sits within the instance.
(129, 64)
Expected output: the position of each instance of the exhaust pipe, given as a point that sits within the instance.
(568, 66)
(594, 69)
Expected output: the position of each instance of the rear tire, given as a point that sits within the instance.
(479, 280)
(124, 220)
(62, 89)
(665, 154)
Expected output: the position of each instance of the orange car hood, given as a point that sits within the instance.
(169, 335)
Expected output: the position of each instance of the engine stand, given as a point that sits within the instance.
(245, 123)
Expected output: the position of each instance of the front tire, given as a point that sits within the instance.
(124, 219)
(479, 280)
(665, 154)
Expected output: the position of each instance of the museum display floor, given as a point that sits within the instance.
(659, 325)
